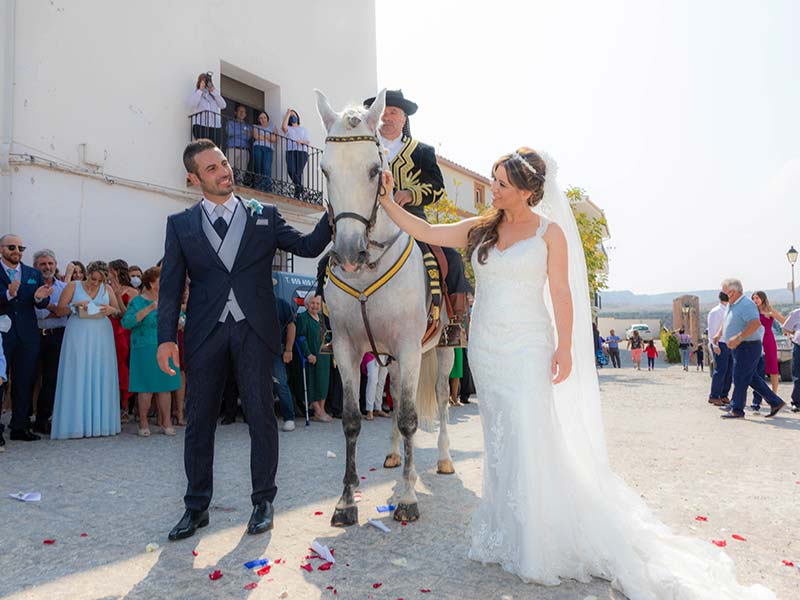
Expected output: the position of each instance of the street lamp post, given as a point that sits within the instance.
(685, 311)
(792, 256)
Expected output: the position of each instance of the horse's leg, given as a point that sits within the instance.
(346, 512)
(407, 508)
(446, 356)
(392, 460)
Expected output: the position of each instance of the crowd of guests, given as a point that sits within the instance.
(250, 145)
(607, 349)
(745, 352)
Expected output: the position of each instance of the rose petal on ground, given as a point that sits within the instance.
(787, 563)
(251, 586)
(84, 535)
(317, 513)
(720, 543)
(214, 575)
(330, 587)
(376, 585)
(699, 518)
(404, 523)
(373, 468)
(263, 571)
(49, 542)
(326, 566)
(425, 590)
(736, 536)
(307, 567)
(278, 561)
(194, 552)
(362, 477)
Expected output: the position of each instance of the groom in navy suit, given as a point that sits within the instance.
(226, 247)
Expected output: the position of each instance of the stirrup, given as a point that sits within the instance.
(327, 347)
(453, 336)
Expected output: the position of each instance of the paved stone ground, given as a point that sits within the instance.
(125, 492)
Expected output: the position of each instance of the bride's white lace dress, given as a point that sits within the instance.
(548, 512)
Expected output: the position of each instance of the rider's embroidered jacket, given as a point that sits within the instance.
(415, 169)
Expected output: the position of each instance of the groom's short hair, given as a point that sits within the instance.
(193, 149)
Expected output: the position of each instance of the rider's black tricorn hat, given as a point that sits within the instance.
(396, 98)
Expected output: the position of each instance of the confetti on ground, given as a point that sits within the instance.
(373, 468)
(699, 518)
(307, 567)
(194, 552)
(151, 547)
(214, 575)
(84, 535)
(379, 525)
(331, 454)
(251, 586)
(736, 536)
(720, 543)
(375, 586)
(263, 571)
(326, 566)
(49, 542)
(386, 508)
(404, 523)
(362, 477)
(317, 513)
(259, 562)
(787, 563)
(425, 590)
(399, 562)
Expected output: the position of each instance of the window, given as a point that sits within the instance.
(480, 198)
(283, 261)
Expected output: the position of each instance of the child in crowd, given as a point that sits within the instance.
(698, 352)
(652, 353)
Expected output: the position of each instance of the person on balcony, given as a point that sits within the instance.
(205, 106)
(264, 138)
(239, 134)
(296, 149)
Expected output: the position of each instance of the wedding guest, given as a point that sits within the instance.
(119, 282)
(318, 367)
(636, 346)
(723, 361)
(699, 355)
(792, 327)
(264, 138)
(179, 395)
(135, 273)
(205, 106)
(768, 315)
(455, 376)
(685, 345)
(743, 330)
(613, 341)
(146, 379)
(22, 290)
(286, 320)
(237, 149)
(376, 381)
(296, 149)
(87, 392)
(51, 335)
(652, 353)
(76, 271)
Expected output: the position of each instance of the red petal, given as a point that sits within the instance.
(84, 535)
(263, 570)
(49, 542)
(375, 469)
(326, 566)
(362, 477)
(330, 587)
(376, 585)
(699, 518)
(251, 586)
(214, 575)
(425, 591)
(278, 561)
(317, 513)
(404, 523)
(194, 552)
(736, 536)
(787, 563)
(307, 567)
(720, 543)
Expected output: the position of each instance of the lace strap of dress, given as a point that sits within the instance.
(543, 223)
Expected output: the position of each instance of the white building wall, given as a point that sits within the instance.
(460, 188)
(117, 76)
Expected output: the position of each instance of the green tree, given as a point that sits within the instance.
(671, 346)
(446, 211)
(591, 232)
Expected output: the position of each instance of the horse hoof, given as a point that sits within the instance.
(392, 461)
(445, 467)
(344, 517)
(406, 512)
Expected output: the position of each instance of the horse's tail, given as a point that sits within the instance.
(427, 404)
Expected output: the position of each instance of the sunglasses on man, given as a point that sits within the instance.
(14, 247)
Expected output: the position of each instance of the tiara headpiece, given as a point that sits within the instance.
(528, 165)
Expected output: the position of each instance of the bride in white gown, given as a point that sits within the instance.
(551, 507)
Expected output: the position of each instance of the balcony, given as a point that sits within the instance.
(273, 166)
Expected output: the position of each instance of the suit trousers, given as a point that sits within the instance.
(251, 363)
(21, 356)
(49, 356)
(745, 363)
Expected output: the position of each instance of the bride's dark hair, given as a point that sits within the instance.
(526, 171)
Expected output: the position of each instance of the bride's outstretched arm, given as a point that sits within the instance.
(451, 235)
(558, 276)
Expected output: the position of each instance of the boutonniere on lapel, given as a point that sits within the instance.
(254, 206)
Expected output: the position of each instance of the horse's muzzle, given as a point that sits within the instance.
(351, 256)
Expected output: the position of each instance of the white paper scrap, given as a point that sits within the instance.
(379, 525)
(26, 496)
(331, 454)
(323, 551)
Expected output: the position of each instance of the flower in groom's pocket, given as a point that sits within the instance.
(254, 206)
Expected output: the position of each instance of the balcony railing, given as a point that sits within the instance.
(275, 165)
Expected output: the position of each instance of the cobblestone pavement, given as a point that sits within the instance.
(125, 492)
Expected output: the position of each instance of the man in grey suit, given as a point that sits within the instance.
(226, 247)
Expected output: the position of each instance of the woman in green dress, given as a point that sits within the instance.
(146, 378)
(310, 332)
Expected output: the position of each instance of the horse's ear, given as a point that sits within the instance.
(376, 111)
(328, 115)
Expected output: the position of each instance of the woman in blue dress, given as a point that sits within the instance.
(87, 392)
(146, 378)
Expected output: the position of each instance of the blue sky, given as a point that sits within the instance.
(681, 120)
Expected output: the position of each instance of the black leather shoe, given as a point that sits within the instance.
(776, 409)
(190, 522)
(261, 519)
(227, 420)
(23, 435)
(2, 442)
(45, 429)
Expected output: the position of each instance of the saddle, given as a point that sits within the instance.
(451, 335)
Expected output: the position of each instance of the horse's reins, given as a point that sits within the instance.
(363, 295)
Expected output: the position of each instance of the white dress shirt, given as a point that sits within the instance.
(715, 318)
(229, 205)
(205, 107)
(793, 324)
(393, 146)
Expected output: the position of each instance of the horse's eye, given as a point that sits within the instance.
(373, 172)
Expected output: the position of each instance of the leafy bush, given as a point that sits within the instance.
(671, 346)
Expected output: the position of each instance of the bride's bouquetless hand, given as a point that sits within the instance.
(386, 196)
(562, 365)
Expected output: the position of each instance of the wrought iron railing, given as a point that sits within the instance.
(267, 162)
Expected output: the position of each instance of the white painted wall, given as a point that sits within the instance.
(117, 76)
(460, 188)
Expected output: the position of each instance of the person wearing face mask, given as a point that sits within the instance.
(720, 353)
(121, 286)
(135, 273)
(51, 335)
(296, 149)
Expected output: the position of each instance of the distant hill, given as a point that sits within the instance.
(627, 300)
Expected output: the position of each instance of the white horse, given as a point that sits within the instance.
(363, 303)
